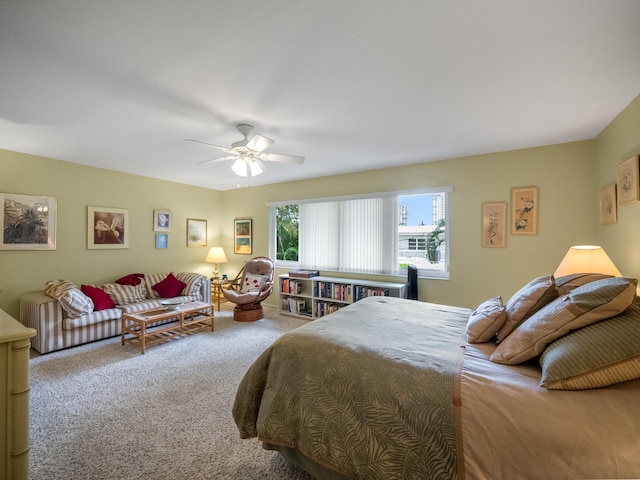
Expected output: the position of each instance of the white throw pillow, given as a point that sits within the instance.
(252, 283)
(485, 321)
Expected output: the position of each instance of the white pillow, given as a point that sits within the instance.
(71, 299)
(485, 321)
(252, 283)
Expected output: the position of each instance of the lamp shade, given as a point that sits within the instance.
(586, 259)
(216, 255)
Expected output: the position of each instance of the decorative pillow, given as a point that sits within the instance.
(101, 299)
(485, 321)
(169, 287)
(125, 294)
(601, 354)
(131, 279)
(71, 299)
(194, 283)
(568, 282)
(150, 281)
(252, 282)
(527, 301)
(581, 307)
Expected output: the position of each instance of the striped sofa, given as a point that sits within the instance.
(55, 330)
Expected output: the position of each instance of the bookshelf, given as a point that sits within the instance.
(316, 297)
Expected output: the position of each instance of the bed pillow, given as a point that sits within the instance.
(485, 321)
(169, 287)
(125, 294)
(567, 283)
(74, 303)
(581, 307)
(527, 301)
(252, 283)
(602, 354)
(101, 299)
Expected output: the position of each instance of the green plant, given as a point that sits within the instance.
(435, 238)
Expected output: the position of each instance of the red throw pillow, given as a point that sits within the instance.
(169, 287)
(131, 279)
(101, 299)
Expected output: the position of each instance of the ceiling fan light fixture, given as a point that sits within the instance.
(239, 167)
(255, 168)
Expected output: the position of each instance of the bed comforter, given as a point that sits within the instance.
(367, 396)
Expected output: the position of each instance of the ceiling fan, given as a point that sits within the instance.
(249, 154)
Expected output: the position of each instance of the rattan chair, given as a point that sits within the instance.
(248, 298)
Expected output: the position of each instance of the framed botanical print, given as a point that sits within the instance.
(608, 207)
(107, 228)
(242, 241)
(162, 220)
(196, 232)
(494, 225)
(628, 181)
(524, 211)
(27, 222)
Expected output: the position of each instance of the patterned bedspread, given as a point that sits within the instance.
(366, 391)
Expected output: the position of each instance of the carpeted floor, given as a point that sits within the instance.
(103, 411)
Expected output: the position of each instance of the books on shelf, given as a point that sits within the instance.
(292, 287)
(303, 273)
(296, 306)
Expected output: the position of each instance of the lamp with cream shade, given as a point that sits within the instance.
(586, 259)
(216, 255)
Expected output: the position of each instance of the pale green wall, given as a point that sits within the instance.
(564, 175)
(618, 142)
(76, 187)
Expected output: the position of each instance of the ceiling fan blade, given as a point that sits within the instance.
(224, 149)
(221, 159)
(258, 143)
(277, 157)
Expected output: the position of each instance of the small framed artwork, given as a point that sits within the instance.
(494, 225)
(524, 211)
(161, 220)
(628, 181)
(107, 228)
(162, 240)
(608, 208)
(27, 222)
(242, 243)
(196, 232)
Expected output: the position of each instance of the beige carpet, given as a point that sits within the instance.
(103, 411)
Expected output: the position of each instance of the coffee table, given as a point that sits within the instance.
(138, 328)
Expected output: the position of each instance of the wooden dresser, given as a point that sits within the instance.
(14, 398)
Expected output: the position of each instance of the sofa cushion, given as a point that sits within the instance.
(92, 318)
(125, 294)
(101, 299)
(151, 303)
(74, 303)
(150, 281)
(169, 287)
(194, 283)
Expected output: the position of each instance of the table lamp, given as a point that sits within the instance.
(586, 259)
(216, 255)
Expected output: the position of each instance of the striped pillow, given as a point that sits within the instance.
(582, 306)
(194, 283)
(73, 302)
(150, 281)
(599, 355)
(125, 294)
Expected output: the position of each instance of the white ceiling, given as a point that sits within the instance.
(350, 84)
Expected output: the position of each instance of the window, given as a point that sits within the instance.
(377, 234)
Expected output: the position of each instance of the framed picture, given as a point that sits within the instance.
(524, 211)
(107, 228)
(162, 240)
(27, 222)
(196, 232)
(628, 181)
(608, 208)
(494, 225)
(242, 236)
(161, 220)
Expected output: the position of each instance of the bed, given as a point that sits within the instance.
(389, 388)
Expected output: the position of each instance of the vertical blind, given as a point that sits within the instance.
(358, 235)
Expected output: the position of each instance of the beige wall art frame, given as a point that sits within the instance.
(628, 181)
(196, 232)
(107, 228)
(608, 207)
(27, 222)
(494, 224)
(524, 211)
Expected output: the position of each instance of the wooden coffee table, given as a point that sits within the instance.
(138, 328)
